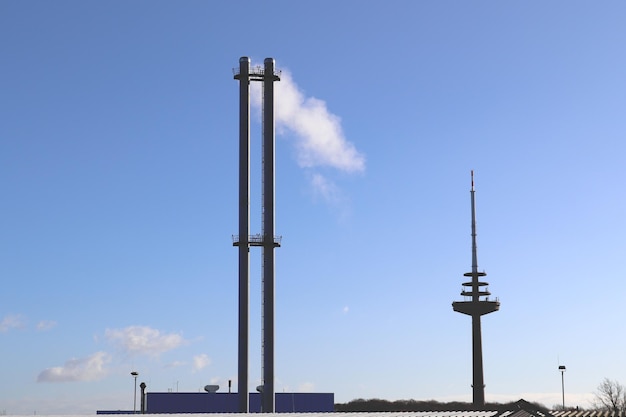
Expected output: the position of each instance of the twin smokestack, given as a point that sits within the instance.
(266, 240)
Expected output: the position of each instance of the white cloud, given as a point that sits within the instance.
(90, 368)
(12, 321)
(201, 361)
(306, 387)
(46, 325)
(320, 140)
(346, 309)
(143, 340)
(175, 364)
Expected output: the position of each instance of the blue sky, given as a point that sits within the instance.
(118, 166)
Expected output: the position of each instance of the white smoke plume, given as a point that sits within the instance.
(326, 189)
(319, 138)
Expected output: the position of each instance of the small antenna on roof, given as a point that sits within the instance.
(472, 180)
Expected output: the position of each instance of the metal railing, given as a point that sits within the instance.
(257, 240)
(257, 70)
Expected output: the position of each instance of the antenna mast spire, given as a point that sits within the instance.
(475, 308)
(474, 255)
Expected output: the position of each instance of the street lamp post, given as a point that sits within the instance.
(562, 369)
(135, 374)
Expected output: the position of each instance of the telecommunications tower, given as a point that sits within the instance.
(477, 304)
(266, 240)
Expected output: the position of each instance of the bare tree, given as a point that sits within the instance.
(610, 396)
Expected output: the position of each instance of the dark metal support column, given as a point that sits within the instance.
(268, 236)
(244, 226)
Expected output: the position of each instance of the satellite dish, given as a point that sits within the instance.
(211, 388)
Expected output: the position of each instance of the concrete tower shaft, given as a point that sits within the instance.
(477, 306)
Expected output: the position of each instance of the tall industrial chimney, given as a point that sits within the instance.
(476, 307)
(244, 225)
(266, 240)
(269, 242)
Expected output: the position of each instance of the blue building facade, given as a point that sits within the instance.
(202, 402)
